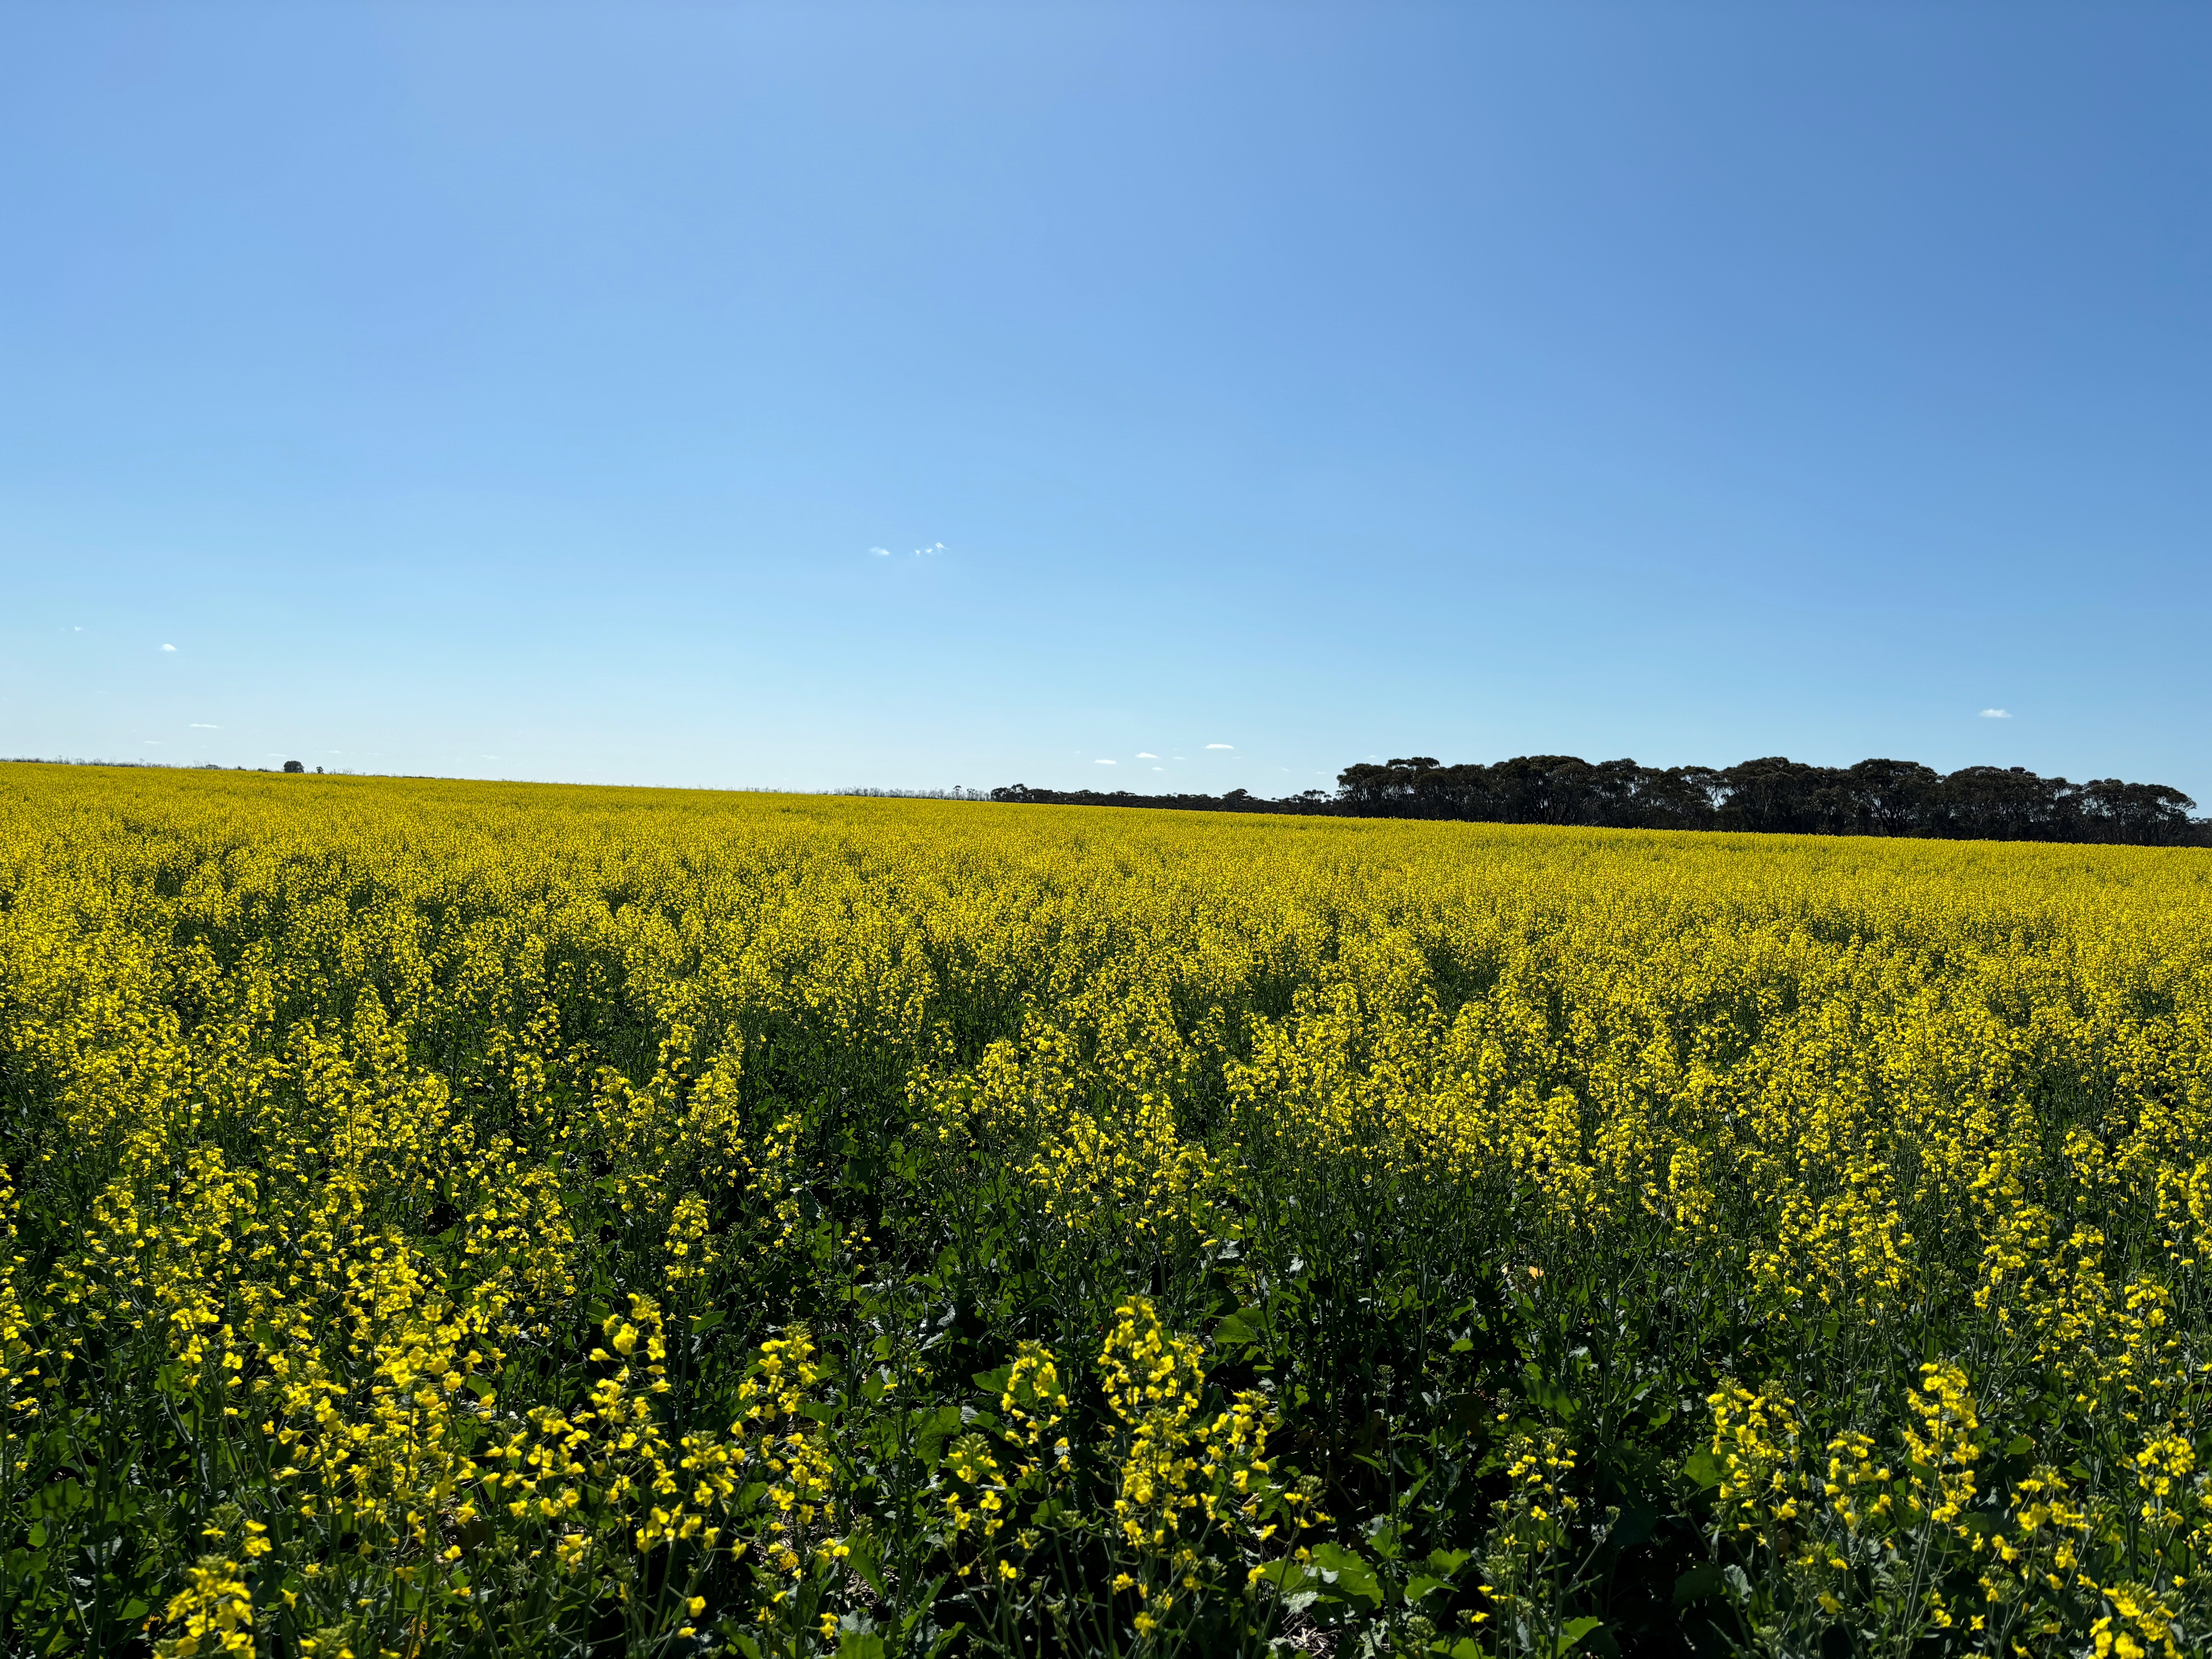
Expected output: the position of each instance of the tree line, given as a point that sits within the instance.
(1773, 794)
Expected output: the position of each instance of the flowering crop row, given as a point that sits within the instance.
(468, 1219)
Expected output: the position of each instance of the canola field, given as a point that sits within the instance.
(452, 1218)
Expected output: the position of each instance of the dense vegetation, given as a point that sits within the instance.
(1774, 795)
(484, 1219)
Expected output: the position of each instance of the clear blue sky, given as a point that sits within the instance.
(521, 391)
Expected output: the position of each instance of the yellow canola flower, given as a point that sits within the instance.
(215, 1610)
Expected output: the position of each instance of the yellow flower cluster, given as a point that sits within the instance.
(212, 1614)
(1180, 1471)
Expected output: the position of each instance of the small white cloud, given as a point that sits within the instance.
(168, 647)
(202, 726)
(1221, 745)
(1106, 762)
(1143, 755)
(1996, 714)
(929, 552)
(881, 552)
(1159, 768)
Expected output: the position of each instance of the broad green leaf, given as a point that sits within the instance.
(1347, 1574)
(1575, 1629)
(1285, 1575)
(1236, 1329)
(1700, 1584)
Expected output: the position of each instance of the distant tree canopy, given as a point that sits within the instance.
(1874, 798)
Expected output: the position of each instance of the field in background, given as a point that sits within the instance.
(467, 1218)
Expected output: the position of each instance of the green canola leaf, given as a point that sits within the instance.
(1285, 1575)
(1347, 1574)
(1702, 1583)
(932, 1430)
(1236, 1329)
(867, 1563)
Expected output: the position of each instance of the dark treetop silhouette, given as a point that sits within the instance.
(1874, 798)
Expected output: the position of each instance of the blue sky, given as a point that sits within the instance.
(925, 395)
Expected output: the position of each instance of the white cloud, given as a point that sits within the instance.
(1146, 755)
(1159, 768)
(881, 552)
(1221, 745)
(168, 647)
(933, 549)
(1996, 714)
(202, 726)
(1106, 762)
